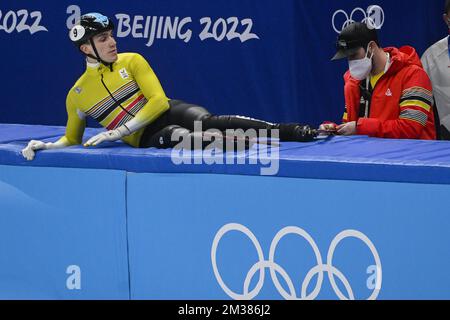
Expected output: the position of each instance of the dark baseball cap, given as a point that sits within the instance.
(356, 35)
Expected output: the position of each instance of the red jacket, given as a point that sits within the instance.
(401, 103)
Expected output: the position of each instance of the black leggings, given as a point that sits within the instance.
(181, 116)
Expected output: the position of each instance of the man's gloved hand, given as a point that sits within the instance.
(111, 135)
(29, 152)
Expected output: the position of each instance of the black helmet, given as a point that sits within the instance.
(90, 24)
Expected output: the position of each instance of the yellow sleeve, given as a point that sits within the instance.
(150, 86)
(76, 123)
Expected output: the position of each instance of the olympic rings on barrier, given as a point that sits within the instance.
(275, 268)
(373, 17)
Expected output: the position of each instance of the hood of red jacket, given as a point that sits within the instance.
(402, 57)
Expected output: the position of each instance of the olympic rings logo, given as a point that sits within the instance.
(373, 17)
(275, 268)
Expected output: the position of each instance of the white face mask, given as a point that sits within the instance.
(360, 69)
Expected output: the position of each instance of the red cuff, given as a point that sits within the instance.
(368, 127)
